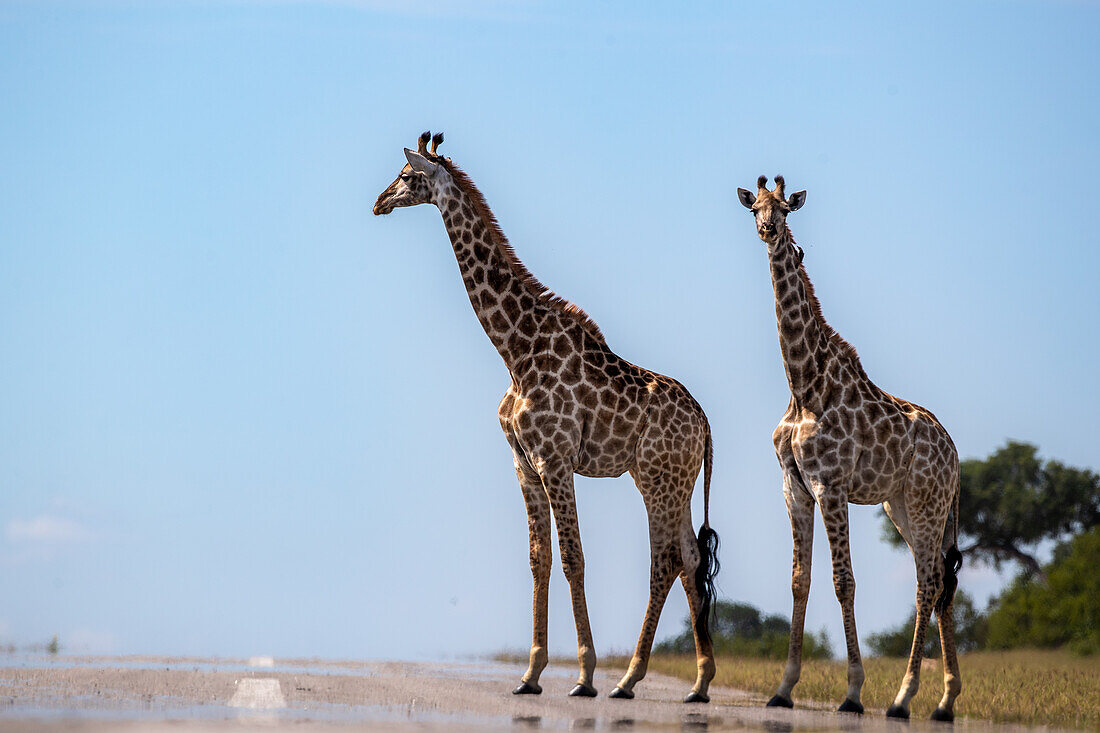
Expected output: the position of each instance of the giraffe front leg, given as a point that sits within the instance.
(800, 509)
(559, 488)
(665, 563)
(538, 525)
(834, 510)
(929, 563)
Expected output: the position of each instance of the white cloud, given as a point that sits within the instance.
(46, 529)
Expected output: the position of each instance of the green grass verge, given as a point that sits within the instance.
(1031, 687)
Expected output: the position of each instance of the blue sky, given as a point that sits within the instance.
(241, 415)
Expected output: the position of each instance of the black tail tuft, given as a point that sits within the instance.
(952, 563)
(704, 579)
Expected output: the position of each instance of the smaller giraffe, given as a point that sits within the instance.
(574, 406)
(843, 440)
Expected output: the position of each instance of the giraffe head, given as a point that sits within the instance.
(418, 180)
(770, 207)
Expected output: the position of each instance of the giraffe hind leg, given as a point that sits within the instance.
(945, 612)
(665, 564)
(700, 564)
(945, 711)
(926, 555)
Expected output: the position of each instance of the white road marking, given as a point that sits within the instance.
(258, 694)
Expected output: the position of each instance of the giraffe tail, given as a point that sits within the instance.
(952, 560)
(708, 552)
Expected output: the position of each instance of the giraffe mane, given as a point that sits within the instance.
(542, 293)
(845, 348)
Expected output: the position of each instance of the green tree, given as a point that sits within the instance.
(740, 629)
(1012, 501)
(1063, 610)
(970, 632)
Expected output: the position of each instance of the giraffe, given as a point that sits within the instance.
(843, 440)
(574, 406)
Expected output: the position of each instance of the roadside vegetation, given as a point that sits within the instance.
(1031, 687)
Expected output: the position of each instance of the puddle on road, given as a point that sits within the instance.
(169, 711)
(472, 670)
(268, 691)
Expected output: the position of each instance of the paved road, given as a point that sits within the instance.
(162, 695)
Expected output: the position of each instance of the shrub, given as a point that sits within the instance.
(741, 630)
(1064, 610)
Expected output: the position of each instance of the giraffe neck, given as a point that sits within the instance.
(503, 302)
(803, 340)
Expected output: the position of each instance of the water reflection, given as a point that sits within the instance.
(527, 721)
(583, 724)
(622, 724)
(778, 726)
(694, 721)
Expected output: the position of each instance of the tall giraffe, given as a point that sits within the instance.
(843, 440)
(574, 406)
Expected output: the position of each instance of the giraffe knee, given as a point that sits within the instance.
(572, 561)
(540, 561)
(845, 586)
(800, 586)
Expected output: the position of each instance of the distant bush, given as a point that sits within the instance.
(1064, 610)
(741, 630)
(970, 632)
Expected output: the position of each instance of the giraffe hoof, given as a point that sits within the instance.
(944, 716)
(694, 696)
(850, 706)
(621, 694)
(897, 711)
(583, 691)
(778, 701)
(526, 688)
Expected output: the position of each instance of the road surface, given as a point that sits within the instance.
(42, 694)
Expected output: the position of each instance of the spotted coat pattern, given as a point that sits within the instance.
(844, 440)
(573, 406)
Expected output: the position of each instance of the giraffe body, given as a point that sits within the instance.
(574, 406)
(844, 440)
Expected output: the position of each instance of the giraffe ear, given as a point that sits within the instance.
(796, 199)
(419, 163)
(746, 197)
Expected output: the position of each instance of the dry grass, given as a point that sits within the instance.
(1032, 687)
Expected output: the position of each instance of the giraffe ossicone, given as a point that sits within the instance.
(844, 440)
(574, 406)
